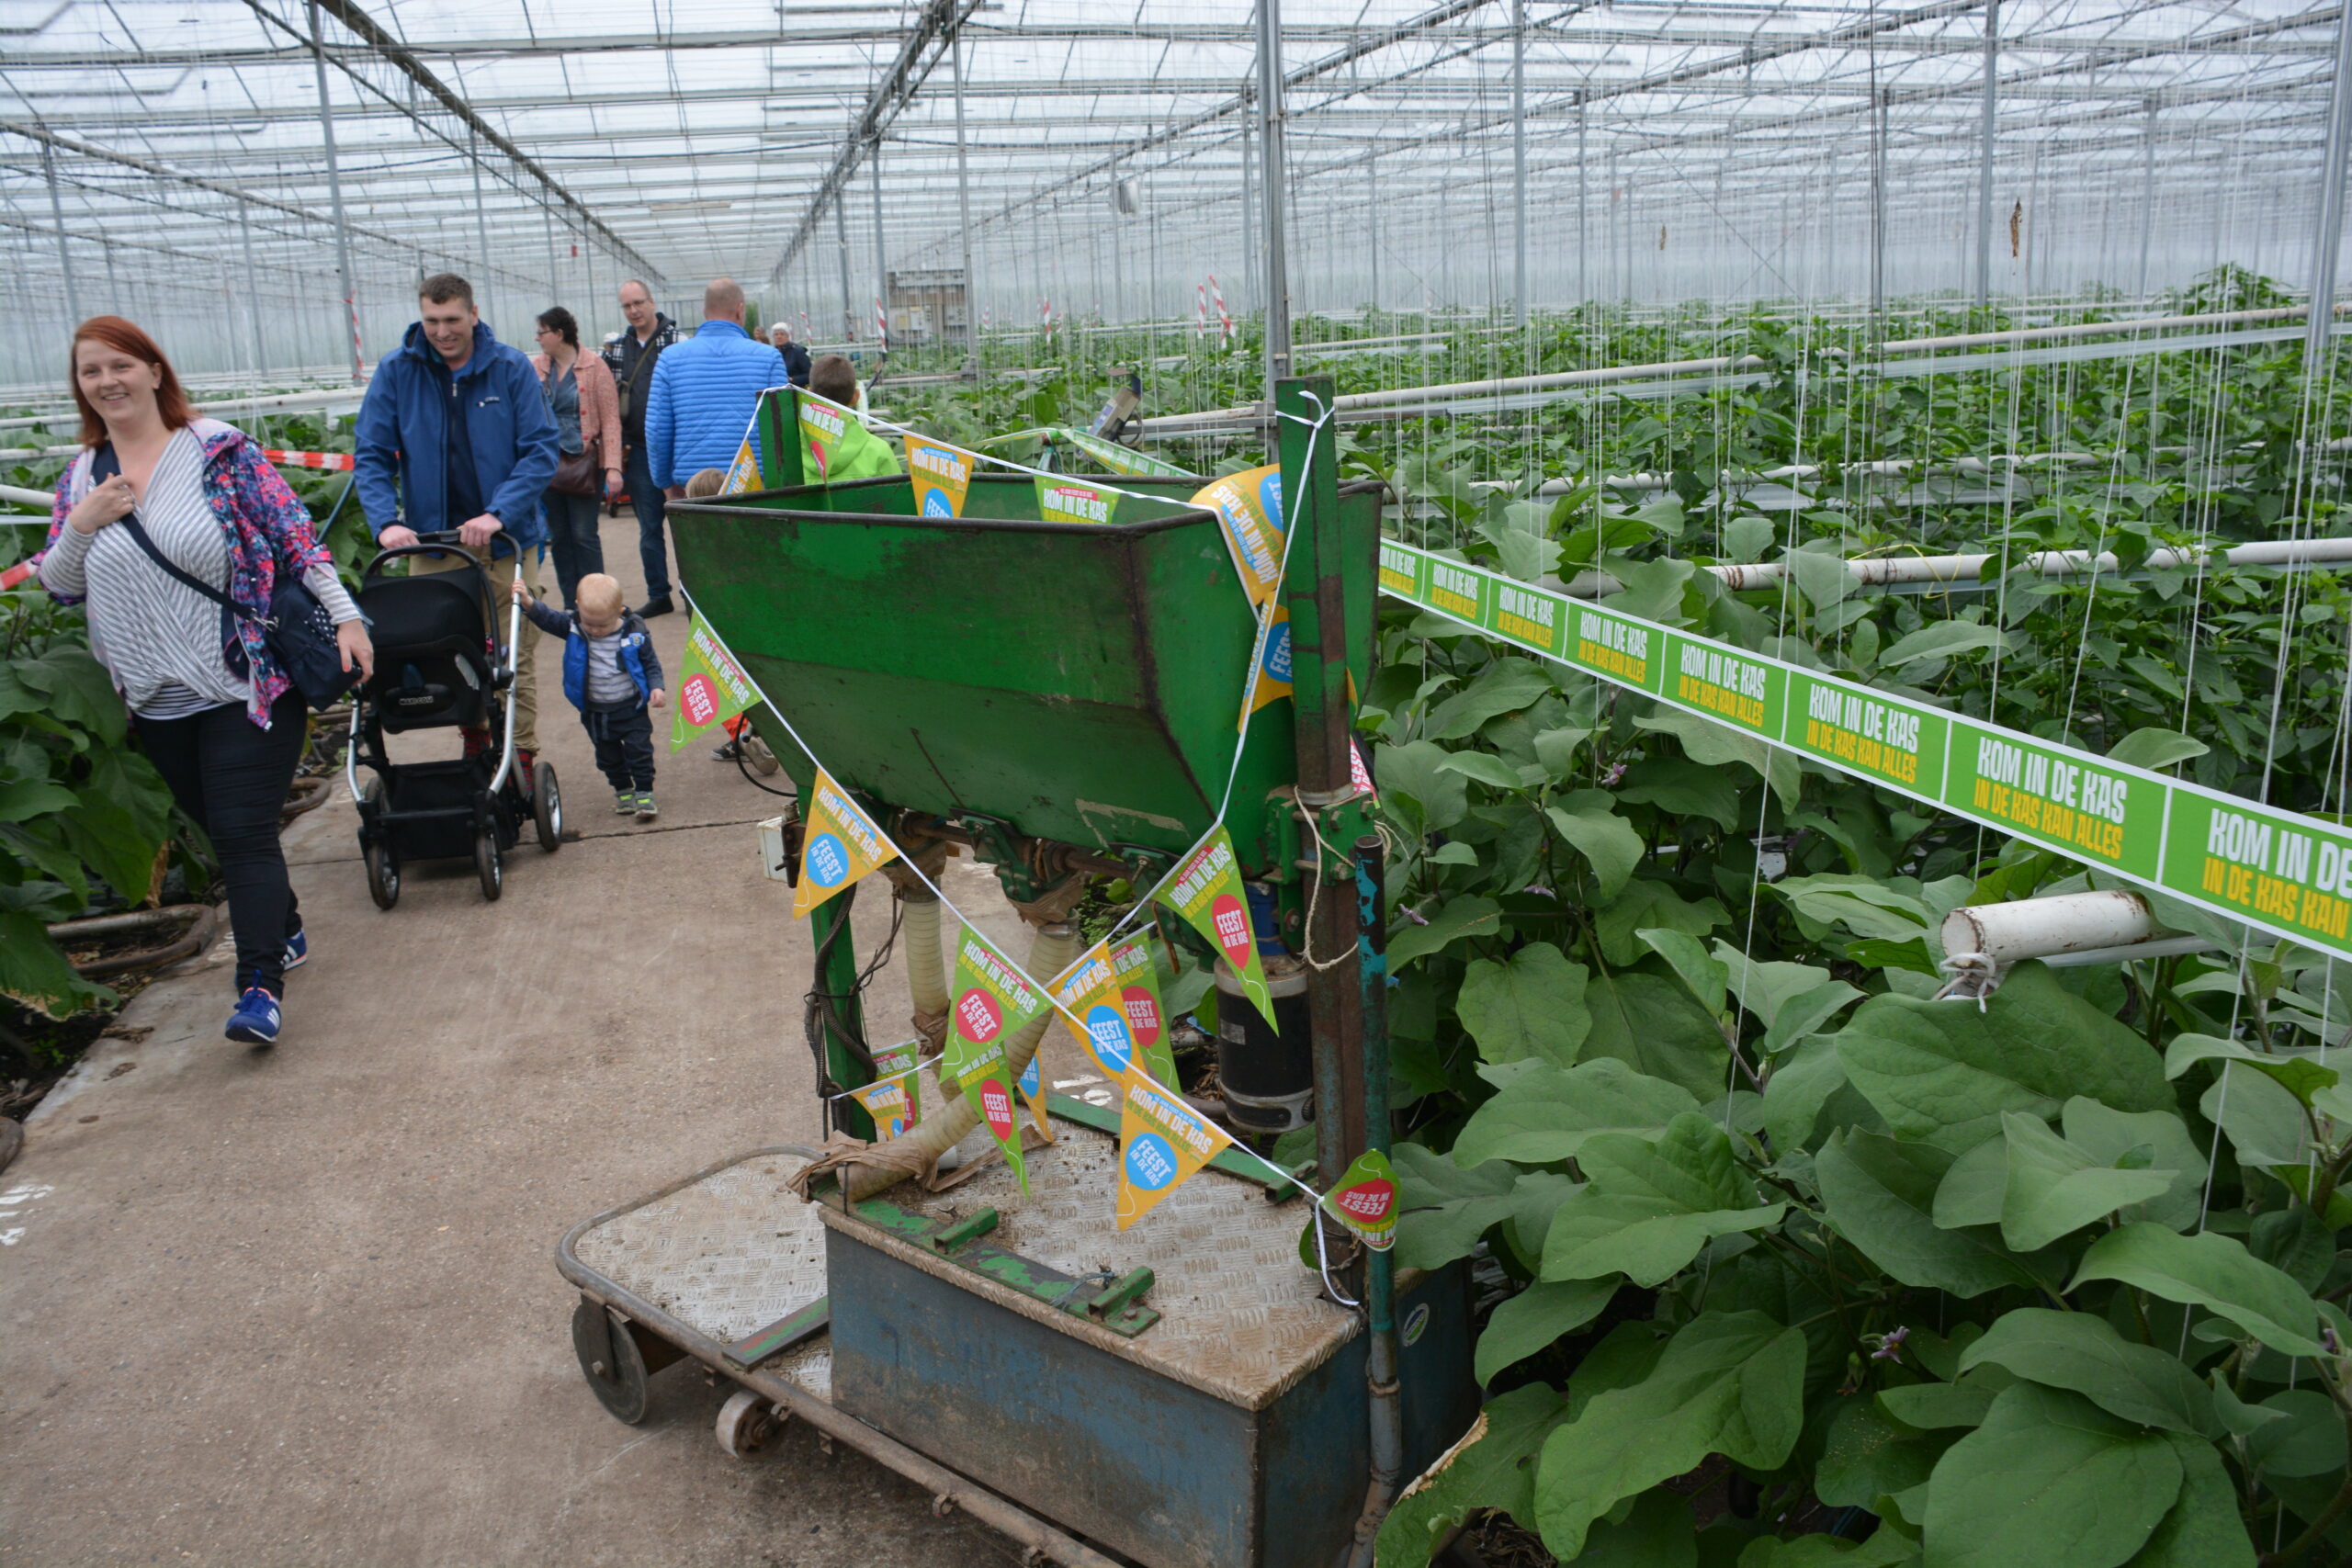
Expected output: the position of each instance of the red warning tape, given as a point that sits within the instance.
(339, 460)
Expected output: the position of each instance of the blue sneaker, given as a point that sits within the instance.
(298, 951)
(257, 1019)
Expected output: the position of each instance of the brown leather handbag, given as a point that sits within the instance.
(581, 472)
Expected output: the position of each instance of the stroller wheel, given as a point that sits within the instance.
(546, 807)
(383, 876)
(488, 863)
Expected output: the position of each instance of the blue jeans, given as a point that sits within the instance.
(652, 506)
(573, 539)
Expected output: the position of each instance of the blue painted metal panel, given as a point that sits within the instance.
(1147, 1466)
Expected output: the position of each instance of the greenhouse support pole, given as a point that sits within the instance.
(1984, 153)
(1118, 249)
(2147, 194)
(1584, 209)
(2331, 217)
(555, 271)
(481, 224)
(1372, 221)
(1518, 161)
(64, 255)
(964, 210)
(881, 253)
(841, 247)
(1249, 216)
(1271, 176)
(1878, 208)
(335, 196)
(253, 292)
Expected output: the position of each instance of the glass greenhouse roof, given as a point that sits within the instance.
(159, 154)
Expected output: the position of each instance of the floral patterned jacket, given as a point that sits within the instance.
(268, 528)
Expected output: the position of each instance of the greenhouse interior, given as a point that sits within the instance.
(1609, 743)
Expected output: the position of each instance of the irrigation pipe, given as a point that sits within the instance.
(1886, 571)
(2102, 329)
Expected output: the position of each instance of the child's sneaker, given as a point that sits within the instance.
(298, 951)
(646, 810)
(257, 1020)
(624, 803)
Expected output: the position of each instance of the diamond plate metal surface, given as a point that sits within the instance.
(1240, 1318)
(727, 1256)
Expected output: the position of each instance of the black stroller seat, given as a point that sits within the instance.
(439, 666)
(433, 661)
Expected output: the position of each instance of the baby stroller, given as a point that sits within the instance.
(438, 667)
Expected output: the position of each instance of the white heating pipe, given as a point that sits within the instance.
(2004, 934)
(24, 497)
(1882, 571)
(2102, 329)
(1407, 395)
(213, 406)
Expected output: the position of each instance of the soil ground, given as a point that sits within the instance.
(300, 1305)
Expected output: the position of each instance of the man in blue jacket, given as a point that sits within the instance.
(454, 432)
(705, 390)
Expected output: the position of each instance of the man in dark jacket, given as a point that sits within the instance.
(795, 358)
(631, 358)
(454, 432)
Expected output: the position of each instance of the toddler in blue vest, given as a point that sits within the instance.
(614, 678)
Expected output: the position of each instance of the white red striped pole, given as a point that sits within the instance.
(1200, 310)
(882, 326)
(1224, 318)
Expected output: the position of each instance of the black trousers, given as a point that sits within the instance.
(624, 741)
(231, 776)
(573, 539)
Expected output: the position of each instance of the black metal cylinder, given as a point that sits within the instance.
(1267, 1074)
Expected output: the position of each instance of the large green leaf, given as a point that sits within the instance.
(21, 800)
(1587, 818)
(2211, 1270)
(1412, 771)
(1712, 745)
(1537, 1316)
(1868, 1454)
(1651, 1023)
(1649, 1204)
(1471, 916)
(34, 971)
(2047, 1478)
(2054, 1188)
(1682, 787)
(1656, 1532)
(2155, 749)
(1862, 905)
(1945, 1072)
(2300, 1075)
(1544, 1113)
(1492, 1467)
(1703, 976)
(2265, 1123)
(1801, 1085)
(1443, 1207)
(1881, 1195)
(2111, 1136)
(81, 694)
(2202, 1528)
(1728, 1383)
(1941, 639)
(2308, 1439)
(1646, 904)
(1506, 685)
(2081, 1351)
(1530, 1005)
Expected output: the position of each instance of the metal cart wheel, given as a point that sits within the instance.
(609, 1356)
(546, 807)
(747, 1421)
(489, 864)
(383, 875)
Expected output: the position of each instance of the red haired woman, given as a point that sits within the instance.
(219, 719)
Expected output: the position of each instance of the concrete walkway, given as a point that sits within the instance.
(300, 1305)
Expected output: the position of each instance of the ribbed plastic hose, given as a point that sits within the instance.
(1049, 953)
(926, 955)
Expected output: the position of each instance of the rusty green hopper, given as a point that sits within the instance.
(1080, 683)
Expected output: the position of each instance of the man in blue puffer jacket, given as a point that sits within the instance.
(454, 431)
(705, 390)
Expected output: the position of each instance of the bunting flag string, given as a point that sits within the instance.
(839, 845)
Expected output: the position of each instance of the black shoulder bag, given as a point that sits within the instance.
(298, 631)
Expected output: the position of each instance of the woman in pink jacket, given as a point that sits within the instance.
(587, 408)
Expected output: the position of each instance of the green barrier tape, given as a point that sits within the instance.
(2279, 870)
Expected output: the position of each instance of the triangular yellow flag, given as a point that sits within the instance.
(743, 474)
(1111, 997)
(891, 1105)
(1162, 1142)
(838, 846)
(991, 1003)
